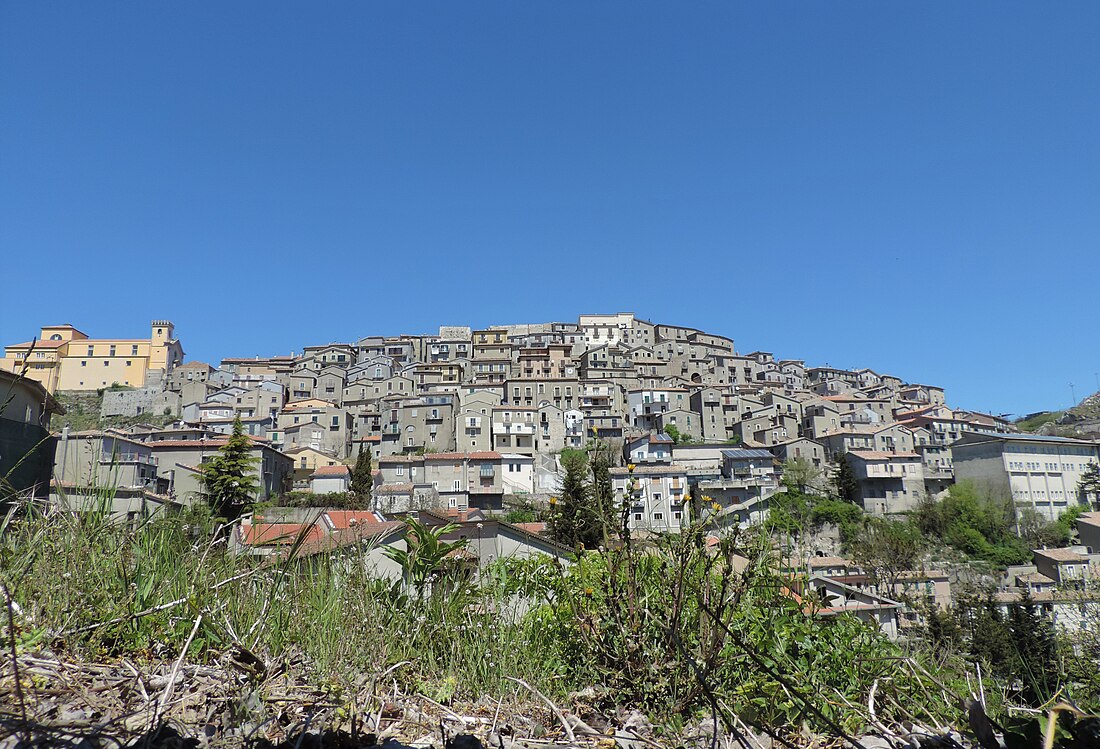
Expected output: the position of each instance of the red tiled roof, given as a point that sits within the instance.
(332, 471)
(344, 519)
(348, 537)
(394, 489)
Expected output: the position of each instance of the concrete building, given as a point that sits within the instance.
(26, 446)
(1037, 472)
(515, 429)
(314, 423)
(889, 482)
(656, 494)
(330, 479)
(179, 462)
(102, 471)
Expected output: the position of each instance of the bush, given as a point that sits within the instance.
(334, 500)
(673, 628)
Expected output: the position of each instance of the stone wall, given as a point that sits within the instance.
(139, 401)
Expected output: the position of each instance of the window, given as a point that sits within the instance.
(400, 471)
(112, 351)
(91, 351)
(83, 364)
(127, 362)
(457, 485)
(106, 363)
(134, 350)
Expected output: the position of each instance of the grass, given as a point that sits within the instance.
(103, 590)
(669, 627)
(1035, 421)
(82, 412)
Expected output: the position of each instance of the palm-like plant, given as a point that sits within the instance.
(427, 553)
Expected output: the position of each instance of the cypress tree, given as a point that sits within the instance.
(575, 521)
(1036, 651)
(844, 479)
(362, 482)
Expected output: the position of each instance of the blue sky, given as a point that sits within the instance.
(911, 187)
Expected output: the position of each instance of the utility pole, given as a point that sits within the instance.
(1072, 396)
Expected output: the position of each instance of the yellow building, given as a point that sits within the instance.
(64, 358)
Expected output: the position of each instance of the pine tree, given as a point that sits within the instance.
(1089, 485)
(229, 483)
(362, 482)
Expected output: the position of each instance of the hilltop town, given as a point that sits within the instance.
(443, 464)
(470, 424)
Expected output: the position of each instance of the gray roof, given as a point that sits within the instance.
(746, 453)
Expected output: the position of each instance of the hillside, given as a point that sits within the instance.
(1083, 420)
(83, 409)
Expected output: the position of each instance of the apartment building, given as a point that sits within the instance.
(1037, 472)
(656, 496)
(65, 358)
(515, 429)
(179, 462)
(103, 471)
(314, 423)
(889, 482)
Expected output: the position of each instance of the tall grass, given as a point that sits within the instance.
(102, 589)
(670, 628)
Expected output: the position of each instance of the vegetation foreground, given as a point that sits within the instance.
(676, 630)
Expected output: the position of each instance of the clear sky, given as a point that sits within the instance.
(913, 187)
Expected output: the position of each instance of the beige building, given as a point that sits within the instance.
(1035, 471)
(64, 358)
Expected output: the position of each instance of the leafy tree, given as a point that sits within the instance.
(885, 548)
(362, 482)
(228, 480)
(575, 521)
(844, 480)
(678, 437)
(1038, 532)
(801, 474)
(980, 524)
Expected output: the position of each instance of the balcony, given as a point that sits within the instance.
(522, 429)
(127, 458)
